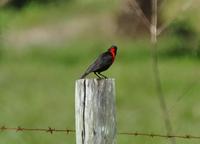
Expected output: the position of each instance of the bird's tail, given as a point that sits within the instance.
(84, 75)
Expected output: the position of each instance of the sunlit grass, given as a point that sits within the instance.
(35, 14)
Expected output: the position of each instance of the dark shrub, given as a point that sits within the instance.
(184, 40)
(18, 4)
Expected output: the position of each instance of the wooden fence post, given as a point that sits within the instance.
(95, 111)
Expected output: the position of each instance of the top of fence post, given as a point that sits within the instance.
(95, 111)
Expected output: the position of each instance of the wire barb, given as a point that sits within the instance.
(50, 130)
(19, 129)
(3, 128)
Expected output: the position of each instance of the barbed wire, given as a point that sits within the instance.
(69, 131)
(48, 130)
(186, 136)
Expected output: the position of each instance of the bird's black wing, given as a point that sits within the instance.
(103, 62)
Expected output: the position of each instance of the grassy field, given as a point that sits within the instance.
(37, 80)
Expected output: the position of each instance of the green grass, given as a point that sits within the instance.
(37, 81)
(37, 90)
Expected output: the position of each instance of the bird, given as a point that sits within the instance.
(102, 63)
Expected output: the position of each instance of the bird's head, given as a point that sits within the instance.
(113, 50)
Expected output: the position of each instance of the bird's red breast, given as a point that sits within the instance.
(113, 53)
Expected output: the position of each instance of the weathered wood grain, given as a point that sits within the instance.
(95, 111)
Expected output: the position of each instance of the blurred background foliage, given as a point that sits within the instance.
(45, 45)
(18, 4)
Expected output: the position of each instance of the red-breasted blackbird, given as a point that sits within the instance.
(102, 63)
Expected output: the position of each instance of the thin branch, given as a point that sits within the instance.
(184, 93)
(185, 7)
(154, 21)
(135, 6)
(156, 71)
(162, 4)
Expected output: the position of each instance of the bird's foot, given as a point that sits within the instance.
(103, 76)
